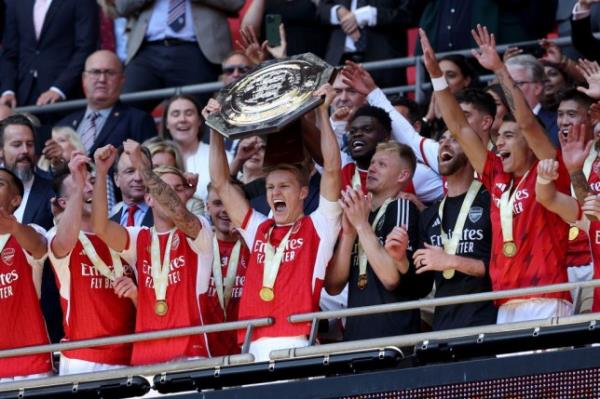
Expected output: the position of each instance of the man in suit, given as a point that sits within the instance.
(175, 42)
(45, 44)
(367, 30)
(17, 145)
(133, 210)
(581, 29)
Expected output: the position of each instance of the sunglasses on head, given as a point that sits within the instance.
(229, 69)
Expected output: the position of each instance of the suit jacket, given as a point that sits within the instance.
(124, 122)
(147, 221)
(210, 25)
(583, 38)
(385, 40)
(549, 122)
(29, 66)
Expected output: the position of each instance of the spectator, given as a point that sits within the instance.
(557, 80)
(367, 30)
(164, 153)
(42, 65)
(409, 109)
(23, 323)
(495, 90)
(564, 13)
(175, 43)
(528, 74)
(236, 65)
(97, 295)
(67, 141)
(133, 210)
(378, 274)
(581, 30)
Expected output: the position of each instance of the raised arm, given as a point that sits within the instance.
(69, 224)
(332, 162)
(162, 193)
(532, 131)
(27, 237)
(112, 233)
(338, 270)
(546, 194)
(452, 112)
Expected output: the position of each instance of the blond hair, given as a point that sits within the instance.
(156, 145)
(404, 152)
(73, 138)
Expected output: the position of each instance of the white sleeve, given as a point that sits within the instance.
(366, 15)
(203, 241)
(403, 132)
(130, 253)
(333, 17)
(60, 266)
(37, 265)
(429, 186)
(339, 130)
(580, 14)
(327, 220)
(248, 230)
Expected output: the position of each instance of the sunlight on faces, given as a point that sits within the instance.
(480, 122)
(216, 211)
(513, 149)
(184, 121)
(18, 151)
(63, 139)
(129, 180)
(177, 183)
(571, 112)
(285, 196)
(163, 158)
(364, 133)
(68, 188)
(387, 172)
(346, 96)
(554, 82)
(451, 156)
(255, 162)
(103, 91)
(10, 199)
(234, 67)
(454, 76)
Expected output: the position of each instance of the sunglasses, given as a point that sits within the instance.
(230, 69)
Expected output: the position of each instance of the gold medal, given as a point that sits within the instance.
(266, 294)
(362, 281)
(573, 232)
(509, 249)
(448, 273)
(161, 308)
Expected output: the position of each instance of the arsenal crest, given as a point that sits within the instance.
(8, 255)
(175, 243)
(475, 214)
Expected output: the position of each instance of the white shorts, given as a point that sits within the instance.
(25, 377)
(533, 309)
(77, 366)
(582, 297)
(261, 348)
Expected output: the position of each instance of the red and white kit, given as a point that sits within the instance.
(188, 275)
(23, 322)
(91, 309)
(300, 277)
(225, 343)
(540, 235)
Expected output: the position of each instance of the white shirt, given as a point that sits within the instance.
(366, 15)
(21, 209)
(198, 163)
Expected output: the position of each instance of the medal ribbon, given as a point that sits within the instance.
(362, 256)
(224, 293)
(98, 263)
(273, 258)
(506, 210)
(356, 182)
(451, 243)
(160, 273)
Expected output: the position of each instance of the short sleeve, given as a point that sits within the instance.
(327, 219)
(203, 241)
(60, 266)
(489, 170)
(249, 226)
(30, 259)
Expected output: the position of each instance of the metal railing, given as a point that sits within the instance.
(421, 83)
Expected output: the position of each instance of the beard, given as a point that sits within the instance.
(25, 173)
(457, 163)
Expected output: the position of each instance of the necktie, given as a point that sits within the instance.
(88, 135)
(39, 13)
(361, 44)
(176, 15)
(130, 215)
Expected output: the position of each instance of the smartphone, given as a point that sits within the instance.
(272, 22)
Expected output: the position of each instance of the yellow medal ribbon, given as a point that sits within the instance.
(160, 272)
(509, 247)
(224, 287)
(98, 263)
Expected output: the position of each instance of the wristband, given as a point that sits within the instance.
(543, 180)
(439, 84)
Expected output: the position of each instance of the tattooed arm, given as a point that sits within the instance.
(163, 193)
(532, 131)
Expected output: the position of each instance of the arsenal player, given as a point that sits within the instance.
(529, 242)
(290, 251)
(230, 257)
(374, 274)
(457, 237)
(96, 295)
(22, 250)
(172, 259)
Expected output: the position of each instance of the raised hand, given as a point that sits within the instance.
(53, 152)
(487, 55)
(104, 157)
(134, 150)
(211, 107)
(396, 243)
(591, 73)
(250, 45)
(591, 206)
(429, 58)
(432, 258)
(248, 147)
(511, 52)
(357, 77)
(280, 51)
(575, 147)
(548, 169)
(356, 207)
(327, 93)
(78, 168)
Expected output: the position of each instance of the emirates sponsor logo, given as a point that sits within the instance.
(8, 255)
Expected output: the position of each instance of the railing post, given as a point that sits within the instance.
(314, 329)
(419, 79)
(247, 338)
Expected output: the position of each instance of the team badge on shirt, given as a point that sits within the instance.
(475, 214)
(8, 254)
(175, 243)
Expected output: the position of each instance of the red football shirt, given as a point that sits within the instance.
(91, 309)
(594, 233)
(301, 273)
(540, 235)
(224, 343)
(188, 276)
(578, 251)
(23, 323)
